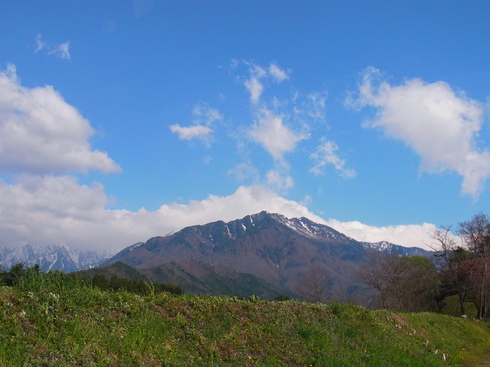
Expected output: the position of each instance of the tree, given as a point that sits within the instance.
(465, 270)
(402, 283)
(376, 272)
(476, 235)
(416, 284)
(455, 268)
(313, 285)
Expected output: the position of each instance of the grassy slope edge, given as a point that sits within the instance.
(59, 325)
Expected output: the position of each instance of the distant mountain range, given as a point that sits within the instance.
(264, 254)
(55, 257)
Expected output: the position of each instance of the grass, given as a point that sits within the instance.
(54, 322)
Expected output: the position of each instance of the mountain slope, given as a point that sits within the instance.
(281, 251)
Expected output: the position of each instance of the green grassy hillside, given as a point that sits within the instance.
(61, 322)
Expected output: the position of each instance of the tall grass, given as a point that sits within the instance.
(32, 280)
(55, 320)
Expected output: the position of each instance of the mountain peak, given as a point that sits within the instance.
(278, 250)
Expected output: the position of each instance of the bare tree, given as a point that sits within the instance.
(313, 285)
(416, 284)
(456, 270)
(403, 283)
(376, 272)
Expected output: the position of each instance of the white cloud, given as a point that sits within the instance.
(255, 88)
(191, 132)
(438, 123)
(403, 235)
(203, 117)
(279, 182)
(45, 210)
(277, 73)
(61, 50)
(41, 133)
(325, 155)
(315, 106)
(40, 45)
(274, 136)
(257, 73)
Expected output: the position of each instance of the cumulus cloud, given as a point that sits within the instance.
(274, 135)
(61, 50)
(45, 210)
(324, 155)
(48, 209)
(438, 123)
(41, 133)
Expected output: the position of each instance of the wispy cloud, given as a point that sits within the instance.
(326, 155)
(277, 73)
(203, 118)
(438, 123)
(271, 132)
(258, 73)
(279, 181)
(61, 50)
(191, 132)
(255, 88)
(245, 172)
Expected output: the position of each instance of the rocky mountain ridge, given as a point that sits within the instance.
(280, 251)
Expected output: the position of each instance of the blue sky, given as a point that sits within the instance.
(123, 120)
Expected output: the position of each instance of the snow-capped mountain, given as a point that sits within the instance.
(275, 249)
(53, 257)
(393, 249)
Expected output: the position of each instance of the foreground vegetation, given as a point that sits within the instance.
(51, 319)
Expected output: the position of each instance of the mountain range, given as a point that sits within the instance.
(264, 254)
(54, 257)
